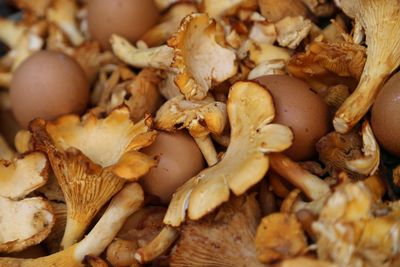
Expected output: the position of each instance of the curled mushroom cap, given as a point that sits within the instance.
(200, 117)
(92, 159)
(350, 234)
(123, 204)
(380, 20)
(200, 60)
(22, 175)
(250, 110)
(24, 223)
(222, 239)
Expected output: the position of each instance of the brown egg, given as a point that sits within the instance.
(47, 85)
(301, 109)
(385, 116)
(128, 18)
(179, 160)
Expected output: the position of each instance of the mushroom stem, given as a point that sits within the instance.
(207, 149)
(126, 202)
(158, 245)
(73, 231)
(363, 97)
(312, 186)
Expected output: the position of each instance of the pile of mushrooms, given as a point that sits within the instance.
(73, 186)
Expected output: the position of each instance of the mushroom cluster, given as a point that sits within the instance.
(200, 133)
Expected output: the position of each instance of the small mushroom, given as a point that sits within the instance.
(24, 223)
(92, 158)
(200, 118)
(23, 175)
(312, 186)
(292, 30)
(62, 13)
(380, 22)
(279, 236)
(159, 57)
(123, 204)
(225, 238)
(250, 110)
(169, 23)
(199, 57)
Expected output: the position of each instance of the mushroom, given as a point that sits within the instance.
(23, 175)
(279, 236)
(380, 21)
(225, 238)
(169, 23)
(37, 7)
(326, 64)
(24, 223)
(269, 67)
(347, 152)
(274, 10)
(292, 30)
(62, 13)
(312, 186)
(320, 8)
(200, 117)
(123, 204)
(259, 53)
(199, 57)
(225, 7)
(305, 261)
(159, 57)
(350, 234)
(23, 141)
(250, 110)
(92, 158)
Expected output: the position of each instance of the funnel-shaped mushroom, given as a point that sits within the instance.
(92, 159)
(250, 110)
(23, 175)
(200, 117)
(380, 20)
(200, 60)
(126, 202)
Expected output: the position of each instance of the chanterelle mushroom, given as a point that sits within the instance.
(123, 204)
(349, 234)
(222, 239)
(200, 117)
(22, 175)
(200, 60)
(250, 110)
(380, 20)
(92, 159)
(24, 223)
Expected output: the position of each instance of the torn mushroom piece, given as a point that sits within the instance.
(349, 234)
(292, 30)
(225, 238)
(123, 204)
(251, 111)
(92, 158)
(380, 22)
(200, 59)
(326, 64)
(169, 23)
(23, 175)
(280, 236)
(199, 117)
(24, 223)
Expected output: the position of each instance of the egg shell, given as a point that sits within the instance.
(301, 109)
(179, 160)
(385, 119)
(127, 18)
(46, 85)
